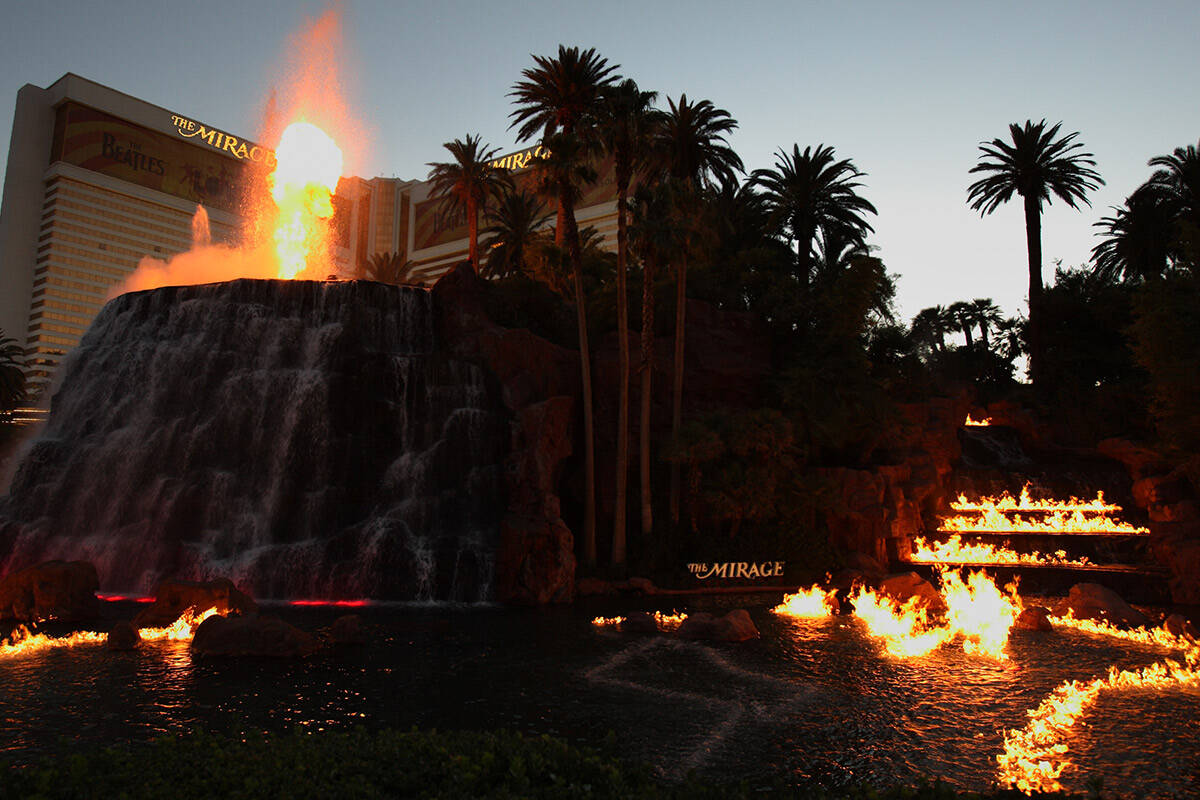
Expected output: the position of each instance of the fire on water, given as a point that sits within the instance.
(955, 551)
(992, 514)
(23, 641)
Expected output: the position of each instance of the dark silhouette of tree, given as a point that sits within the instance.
(1138, 237)
(558, 99)
(466, 184)
(1179, 182)
(690, 141)
(1034, 165)
(985, 314)
(12, 374)
(810, 192)
(625, 123)
(960, 312)
(930, 326)
(387, 268)
(516, 230)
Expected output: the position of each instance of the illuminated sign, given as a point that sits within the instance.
(737, 569)
(224, 142)
(520, 159)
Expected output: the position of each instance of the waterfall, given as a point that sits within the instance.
(305, 439)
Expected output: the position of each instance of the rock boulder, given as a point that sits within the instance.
(348, 630)
(905, 586)
(173, 597)
(251, 636)
(123, 637)
(1093, 601)
(62, 590)
(736, 626)
(1034, 618)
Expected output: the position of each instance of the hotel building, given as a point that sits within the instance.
(97, 180)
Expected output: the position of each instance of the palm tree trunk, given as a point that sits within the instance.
(966, 329)
(585, 369)
(647, 373)
(473, 223)
(622, 477)
(1033, 240)
(677, 397)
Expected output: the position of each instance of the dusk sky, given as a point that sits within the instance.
(905, 90)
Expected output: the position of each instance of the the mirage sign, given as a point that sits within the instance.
(731, 570)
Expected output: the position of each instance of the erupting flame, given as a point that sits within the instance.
(813, 602)
(302, 185)
(1158, 637)
(23, 641)
(669, 622)
(954, 551)
(607, 622)
(976, 610)
(972, 422)
(181, 630)
(992, 514)
(1035, 756)
(1006, 502)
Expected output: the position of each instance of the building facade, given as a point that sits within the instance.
(97, 180)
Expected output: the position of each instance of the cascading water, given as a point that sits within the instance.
(305, 439)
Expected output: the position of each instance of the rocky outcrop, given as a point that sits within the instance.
(736, 626)
(1140, 461)
(1034, 618)
(123, 637)
(905, 586)
(348, 629)
(535, 560)
(1179, 625)
(1093, 601)
(61, 590)
(173, 597)
(255, 636)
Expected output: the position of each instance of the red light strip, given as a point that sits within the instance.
(338, 603)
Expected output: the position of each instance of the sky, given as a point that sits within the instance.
(907, 91)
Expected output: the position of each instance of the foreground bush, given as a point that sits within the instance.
(376, 765)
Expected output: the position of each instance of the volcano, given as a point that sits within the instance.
(306, 439)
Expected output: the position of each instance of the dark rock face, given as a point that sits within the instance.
(268, 637)
(51, 590)
(538, 383)
(306, 439)
(736, 626)
(905, 586)
(1034, 618)
(173, 597)
(123, 637)
(1093, 601)
(348, 629)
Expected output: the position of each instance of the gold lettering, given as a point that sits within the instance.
(242, 152)
(231, 144)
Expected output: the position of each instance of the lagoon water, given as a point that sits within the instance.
(810, 702)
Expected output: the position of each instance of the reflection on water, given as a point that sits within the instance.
(814, 700)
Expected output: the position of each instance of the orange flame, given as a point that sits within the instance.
(181, 630)
(977, 422)
(302, 185)
(955, 551)
(665, 622)
(976, 610)
(607, 622)
(22, 641)
(1006, 502)
(1035, 756)
(812, 602)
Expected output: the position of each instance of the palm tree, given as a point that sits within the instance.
(986, 315)
(655, 238)
(1139, 237)
(1179, 180)
(12, 373)
(387, 268)
(557, 98)
(810, 192)
(960, 312)
(624, 127)
(1036, 164)
(467, 184)
(929, 327)
(690, 141)
(517, 228)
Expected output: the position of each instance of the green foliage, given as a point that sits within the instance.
(1166, 341)
(390, 764)
(12, 374)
